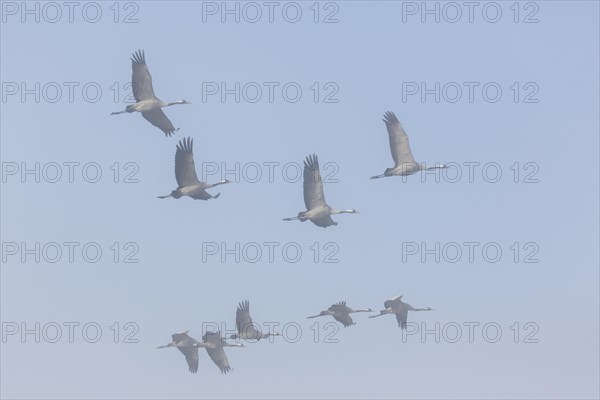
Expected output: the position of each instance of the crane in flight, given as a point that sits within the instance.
(185, 175)
(341, 313)
(317, 210)
(396, 306)
(245, 326)
(214, 343)
(187, 346)
(404, 163)
(146, 101)
(211, 341)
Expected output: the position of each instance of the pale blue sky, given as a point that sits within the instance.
(369, 53)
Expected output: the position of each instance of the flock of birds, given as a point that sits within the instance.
(214, 343)
(317, 211)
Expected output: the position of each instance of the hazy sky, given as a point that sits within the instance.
(506, 93)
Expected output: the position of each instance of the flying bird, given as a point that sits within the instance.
(245, 326)
(187, 346)
(185, 174)
(404, 163)
(341, 313)
(213, 343)
(396, 306)
(146, 102)
(317, 210)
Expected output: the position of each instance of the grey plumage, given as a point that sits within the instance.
(400, 309)
(187, 346)
(245, 325)
(146, 101)
(214, 343)
(341, 313)
(185, 175)
(404, 162)
(317, 209)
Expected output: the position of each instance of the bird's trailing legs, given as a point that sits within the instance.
(300, 217)
(378, 176)
(382, 312)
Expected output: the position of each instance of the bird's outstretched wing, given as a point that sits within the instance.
(180, 336)
(324, 222)
(215, 351)
(340, 313)
(185, 168)
(191, 356)
(340, 306)
(219, 358)
(390, 302)
(243, 320)
(313, 185)
(402, 317)
(398, 140)
(141, 80)
(158, 118)
(344, 319)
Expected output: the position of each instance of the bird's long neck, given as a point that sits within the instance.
(362, 310)
(173, 103)
(224, 181)
(334, 211)
(436, 166)
(382, 312)
(421, 309)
